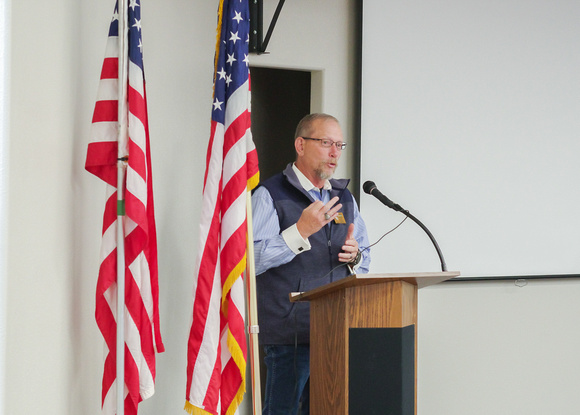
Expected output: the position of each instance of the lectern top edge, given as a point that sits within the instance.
(420, 279)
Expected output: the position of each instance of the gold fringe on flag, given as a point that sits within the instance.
(238, 357)
(194, 410)
(218, 37)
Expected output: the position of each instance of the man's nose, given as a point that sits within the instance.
(334, 151)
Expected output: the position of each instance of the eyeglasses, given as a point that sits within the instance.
(328, 143)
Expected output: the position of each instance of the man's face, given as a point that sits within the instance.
(318, 163)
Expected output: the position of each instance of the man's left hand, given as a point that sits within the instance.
(350, 247)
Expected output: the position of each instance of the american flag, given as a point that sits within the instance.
(216, 360)
(142, 334)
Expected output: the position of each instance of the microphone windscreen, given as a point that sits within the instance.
(368, 186)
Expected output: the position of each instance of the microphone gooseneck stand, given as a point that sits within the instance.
(418, 222)
(370, 188)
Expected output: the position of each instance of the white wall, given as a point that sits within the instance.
(54, 349)
(45, 300)
(499, 348)
(4, 96)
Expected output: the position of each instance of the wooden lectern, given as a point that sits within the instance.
(363, 343)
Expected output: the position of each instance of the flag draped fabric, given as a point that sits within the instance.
(142, 334)
(216, 358)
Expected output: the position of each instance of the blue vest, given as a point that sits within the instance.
(283, 322)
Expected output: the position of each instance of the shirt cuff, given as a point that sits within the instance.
(295, 241)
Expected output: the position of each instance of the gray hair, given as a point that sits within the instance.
(304, 127)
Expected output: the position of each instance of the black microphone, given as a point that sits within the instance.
(371, 188)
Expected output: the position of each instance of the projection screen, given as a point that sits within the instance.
(471, 122)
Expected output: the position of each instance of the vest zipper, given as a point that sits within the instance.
(329, 236)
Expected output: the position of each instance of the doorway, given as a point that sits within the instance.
(280, 98)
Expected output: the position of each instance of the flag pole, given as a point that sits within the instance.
(121, 170)
(253, 327)
(120, 351)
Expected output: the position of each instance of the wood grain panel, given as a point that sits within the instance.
(329, 360)
(391, 304)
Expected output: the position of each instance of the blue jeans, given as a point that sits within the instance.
(287, 381)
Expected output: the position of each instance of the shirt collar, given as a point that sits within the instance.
(307, 184)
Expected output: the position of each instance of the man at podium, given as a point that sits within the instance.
(307, 232)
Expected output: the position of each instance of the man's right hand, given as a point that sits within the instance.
(314, 217)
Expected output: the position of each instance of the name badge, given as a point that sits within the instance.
(339, 218)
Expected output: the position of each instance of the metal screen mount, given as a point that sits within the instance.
(258, 43)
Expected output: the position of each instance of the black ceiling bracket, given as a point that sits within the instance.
(258, 43)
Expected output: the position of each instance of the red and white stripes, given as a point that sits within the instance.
(142, 335)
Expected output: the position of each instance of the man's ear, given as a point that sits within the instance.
(299, 145)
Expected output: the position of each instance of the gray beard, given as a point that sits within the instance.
(322, 174)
